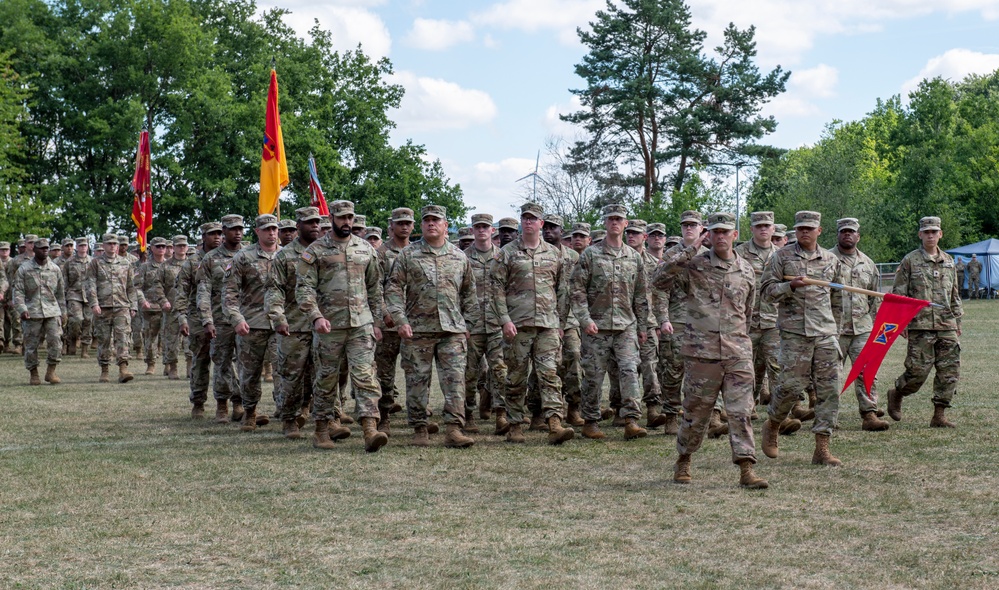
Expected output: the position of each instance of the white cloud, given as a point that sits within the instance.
(819, 82)
(437, 35)
(491, 187)
(561, 16)
(787, 106)
(953, 65)
(432, 104)
(556, 126)
(349, 21)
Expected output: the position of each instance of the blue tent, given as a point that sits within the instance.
(987, 252)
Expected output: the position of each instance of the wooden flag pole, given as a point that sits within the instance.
(849, 288)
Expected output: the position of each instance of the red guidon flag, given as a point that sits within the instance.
(142, 204)
(894, 315)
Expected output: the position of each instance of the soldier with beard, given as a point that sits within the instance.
(198, 341)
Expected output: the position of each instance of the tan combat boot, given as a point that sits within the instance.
(802, 413)
(894, 404)
(249, 421)
(33, 377)
(321, 437)
(105, 375)
(748, 479)
(632, 430)
(872, 423)
(347, 419)
(654, 417)
(187, 368)
(607, 414)
(384, 424)
(770, 430)
(198, 411)
(573, 417)
(237, 411)
(420, 437)
(716, 428)
(85, 351)
(172, 372)
(538, 423)
(618, 421)
(672, 426)
(592, 430)
(822, 456)
(681, 470)
(50, 376)
(789, 426)
(123, 375)
(150, 367)
(71, 348)
(556, 434)
(290, 430)
(516, 434)
(455, 439)
(470, 426)
(221, 412)
(268, 372)
(338, 431)
(938, 420)
(373, 440)
(432, 427)
(502, 424)
(485, 404)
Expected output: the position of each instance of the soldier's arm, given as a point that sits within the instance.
(130, 291)
(901, 284)
(275, 298)
(18, 295)
(673, 265)
(395, 290)
(158, 290)
(836, 295)
(874, 303)
(578, 284)
(138, 277)
(373, 283)
(306, 281)
(182, 286)
(204, 296)
(773, 287)
(4, 284)
(61, 294)
(640, 299)
(956, 307)
(468, 296)
(90, 283)
(499, 271)
(562, 290)
(232, 286)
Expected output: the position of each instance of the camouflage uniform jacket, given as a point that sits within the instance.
(974, 268)
(187, 286)
(720, 296)
(339, 281)
(609, 288)
(387, 253)
(432, 289)
(764, 312)
(13, 264)
(808, 310)
(481, 262)
(110, 283)
(148, 287)
(657, 304)
(934, 279)
(675, 299)
(167, 280)
(245, 287)
(74, 273)
(529, 288)
(39, 290)
(279, 302)
(4, 283)
(61, 260)
(855, 314)
(570, 258)
(211, 279)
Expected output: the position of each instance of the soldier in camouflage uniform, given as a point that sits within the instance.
(960, 268)
(152, 300)
(110, 291)
(294, 366)
(387, 351)
(339, 290)
(465, 239)
(211, 279)
(809, 347)
(243, 292)
(485, 341)
(4, 293)
(39, 298)
(136, 321)
(610, 300)
(431, 297)
(17, 336)
(779, 237)
(198, 341)
(507, 228)
(718, 352)
(636, 233)
(80, 325)
(373, 235)
(580, 237)
(165, 283)
(928, 273)
(855, 315)
(287, 232)
(974, 272)
(66, 253)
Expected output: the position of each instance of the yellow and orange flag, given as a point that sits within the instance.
(273, 164)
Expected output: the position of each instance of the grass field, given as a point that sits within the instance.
(111, 486)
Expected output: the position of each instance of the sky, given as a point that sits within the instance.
(486, 81)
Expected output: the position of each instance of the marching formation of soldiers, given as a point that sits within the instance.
(523, 319)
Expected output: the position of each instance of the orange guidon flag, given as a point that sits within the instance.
(142, 202)
(273, 164)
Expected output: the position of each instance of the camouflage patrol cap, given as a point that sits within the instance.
(555, 219)
(691, 216)
(929, 224)
(211, 226)
(41, 243)
(721, 220)
(807, 219)
(509, 223)
(847, 223)
(232, 221)
(780, 230)
(307, 214)
(266, 220)
(341, 208)
(30, 238)
(482, 218)
(4, 245)
(109, 239)
(673, 240)
(82, 242)
(465, 232)
(99, 248)
(287, 224)
(359, 221)
(433, 211)
(158, 242)
(373, 232)
(791, 238)
(68, 242)
(246, 244)
(761, 218)
(20, 243)
(403, 214)
(325, 221)
(614, 210)
(581, 228)
(638, 226)
(122, 240)
(657, 228)
(179, 240)
(598, 234)
(533, 209)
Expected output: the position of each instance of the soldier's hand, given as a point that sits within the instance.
(210, 331)
(132, 313)
(378, 334)
(242, 328)
(561, 333)
(388, 321)
(96, 309)
(905, 333)
(642, 337)
(25, 316)
(406, 332)
(283, 330)
(322, 325)
(666, 328)
(591, 329)
(185, 330)
(798, 282)
(166, 306)
(509, 331)
(146, 305)
(65, 320)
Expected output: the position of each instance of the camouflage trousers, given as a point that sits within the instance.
(808, 360)
(540, 348)
(80, 324)
(648, 368)
(199, 347)
(569, 372)
(136, 324)
(14, 325)
(620, 346)
(252, 350)
(488, 347)
(152, 324)
(294, 372)
(851, 346)
(704, 380)
(170, 335)
(671, 370)
(930, 349)
(386, 356)
(34, 331)
(114, 335)
(418, 356)
(357, 345)
(223, 353)
(766, 348)
(974, 284)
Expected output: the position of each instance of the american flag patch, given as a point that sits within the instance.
(308, 257)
